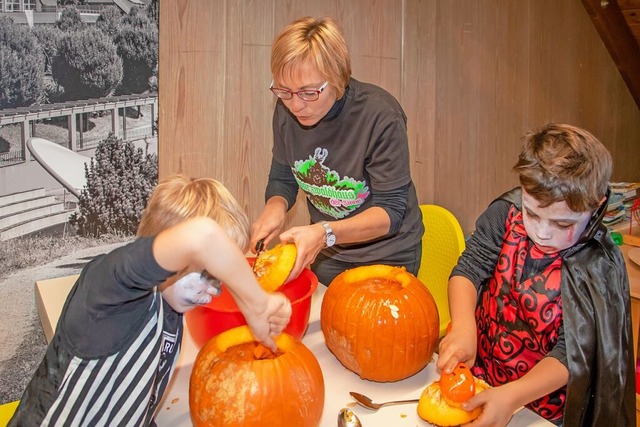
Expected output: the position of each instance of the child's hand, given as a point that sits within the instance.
(497, 407)
(190, 290)
(458, 345)
(271, 321)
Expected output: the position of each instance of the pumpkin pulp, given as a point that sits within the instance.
(458, 386)
(249, 351)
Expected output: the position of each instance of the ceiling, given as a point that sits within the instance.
(618, 23)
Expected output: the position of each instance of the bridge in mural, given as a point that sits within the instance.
(75, 112)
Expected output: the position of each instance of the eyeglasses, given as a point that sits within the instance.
(305, 95)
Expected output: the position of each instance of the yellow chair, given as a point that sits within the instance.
(6, 412)
(442, 244)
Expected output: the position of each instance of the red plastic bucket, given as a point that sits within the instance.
(222, 313)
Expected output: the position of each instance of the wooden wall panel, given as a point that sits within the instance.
(418, 96)
(189, 75)
(481, 102)
(472, 76)
(252, 79)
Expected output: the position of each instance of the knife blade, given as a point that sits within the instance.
(259, 249)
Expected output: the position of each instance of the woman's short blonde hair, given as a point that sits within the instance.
(316, 43)
(178, 197)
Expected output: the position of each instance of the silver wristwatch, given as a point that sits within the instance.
(329, 237)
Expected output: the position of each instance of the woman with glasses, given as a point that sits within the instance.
(344, 144)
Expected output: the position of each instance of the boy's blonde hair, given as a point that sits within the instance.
(564, 163)
(178, 197)
(316, 43)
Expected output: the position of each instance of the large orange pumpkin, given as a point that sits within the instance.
(380, 322)
(236, 381)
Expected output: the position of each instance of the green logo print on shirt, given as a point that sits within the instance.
(330, 194)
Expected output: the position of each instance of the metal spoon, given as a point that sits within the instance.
(369, 404)
(346, 418)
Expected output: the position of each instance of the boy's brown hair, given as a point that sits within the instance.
(312, 42)
(178, 197)
(561, 162)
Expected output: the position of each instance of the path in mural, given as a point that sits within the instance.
(23, 341)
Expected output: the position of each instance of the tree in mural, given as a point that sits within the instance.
(48, 37)
(87, 65)
(21, 72)
(110, 20)
(137, 45)
(70, 20)
(120, 179)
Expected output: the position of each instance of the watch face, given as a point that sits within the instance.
(331, 239)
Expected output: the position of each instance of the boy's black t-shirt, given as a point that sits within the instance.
(114, 348)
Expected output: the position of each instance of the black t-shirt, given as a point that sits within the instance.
(114, 348)
(341, 162)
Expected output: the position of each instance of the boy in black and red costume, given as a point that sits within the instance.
(540, 298)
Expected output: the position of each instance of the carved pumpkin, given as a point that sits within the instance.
(380, 322)
(272, 267)
(237, 381)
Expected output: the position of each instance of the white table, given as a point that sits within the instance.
(174, 409)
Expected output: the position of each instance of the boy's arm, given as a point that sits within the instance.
(475, 265)
(499, 403)
(460, 343)
(200, 243)
(545, 377)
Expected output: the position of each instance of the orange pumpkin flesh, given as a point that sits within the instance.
(458, 386)
(272, 267)
(236, 381)
(380, 322)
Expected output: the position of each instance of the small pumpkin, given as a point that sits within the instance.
(237, 381)
(380, 322)
(272, 267)
(434, 408)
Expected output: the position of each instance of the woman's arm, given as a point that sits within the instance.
(280, 196)
(310, 239)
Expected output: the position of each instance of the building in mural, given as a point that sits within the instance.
(47, 11)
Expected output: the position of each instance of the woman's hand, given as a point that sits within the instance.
(309, 241)
(271, 321)
(269, 223)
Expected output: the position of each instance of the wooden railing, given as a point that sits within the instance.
(27, 117)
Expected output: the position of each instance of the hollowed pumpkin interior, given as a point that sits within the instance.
(250, 351)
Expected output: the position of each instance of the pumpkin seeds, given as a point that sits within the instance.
(394, 311)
